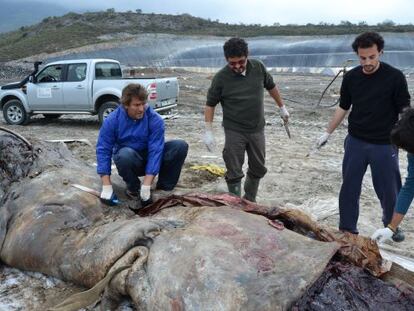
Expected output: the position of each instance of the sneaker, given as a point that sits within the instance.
(398, 236)
(132, 194)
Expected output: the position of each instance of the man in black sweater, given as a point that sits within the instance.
(377, 93)
(239, 88)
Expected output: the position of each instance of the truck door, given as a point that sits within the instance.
(75, 88)
(45, 94)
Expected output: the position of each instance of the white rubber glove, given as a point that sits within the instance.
(322, 140)
(107, 192)
(284, 114)
(382, 235)
(208, 137)
(145, 192)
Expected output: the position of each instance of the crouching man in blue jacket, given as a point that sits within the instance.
(133, 135)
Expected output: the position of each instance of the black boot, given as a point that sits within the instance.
(251, 185)
(235, 188)
(398, 236)
(147, 202)
(139, 204)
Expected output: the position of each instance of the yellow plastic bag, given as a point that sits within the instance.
(212, 168)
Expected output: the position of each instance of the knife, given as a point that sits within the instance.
(88, 190)
(112, 201)
(285, 124)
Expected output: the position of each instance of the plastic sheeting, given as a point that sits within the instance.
(163, 50)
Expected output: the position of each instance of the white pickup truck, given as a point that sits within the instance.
(83, 86)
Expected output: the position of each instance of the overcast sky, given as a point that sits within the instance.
(266, 12)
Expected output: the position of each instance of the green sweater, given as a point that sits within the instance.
(241, 96)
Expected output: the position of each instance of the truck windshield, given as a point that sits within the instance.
(51, 73)
(107, 71)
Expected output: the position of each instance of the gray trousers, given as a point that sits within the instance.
(235, 146)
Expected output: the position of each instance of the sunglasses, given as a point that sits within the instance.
(240, 62)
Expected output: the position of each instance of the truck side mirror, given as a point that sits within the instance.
(31, 79)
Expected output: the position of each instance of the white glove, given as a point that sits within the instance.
(208, 137)
(322, 140)
(145, 192)
(107, 192)
(284, 114)
(382, 235)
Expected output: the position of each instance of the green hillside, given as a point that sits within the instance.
(73, 30)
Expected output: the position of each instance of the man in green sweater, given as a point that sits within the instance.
(239, 88)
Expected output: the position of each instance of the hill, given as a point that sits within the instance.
(16, 14)
(73, 30)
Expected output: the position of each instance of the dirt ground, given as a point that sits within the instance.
(293, 180)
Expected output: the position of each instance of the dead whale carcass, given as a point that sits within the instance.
(207, 254)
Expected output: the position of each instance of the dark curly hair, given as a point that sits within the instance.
(235, 47)
(403, 133)
(133, 90)
(367, 40)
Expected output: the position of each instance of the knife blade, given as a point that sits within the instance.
(285, 124)
(313, 149)
(88, 190)
(112, 201)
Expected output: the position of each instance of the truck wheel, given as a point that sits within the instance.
(14, 112)
(106, 109)
(51, 116)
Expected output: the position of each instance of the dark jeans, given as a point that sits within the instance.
(131, 164)
(383, 160)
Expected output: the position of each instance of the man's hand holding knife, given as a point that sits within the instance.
(284, 114)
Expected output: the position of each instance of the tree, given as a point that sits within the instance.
(387, 22)
(346, 23)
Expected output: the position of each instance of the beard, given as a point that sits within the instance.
(239, 70)
(369, 68)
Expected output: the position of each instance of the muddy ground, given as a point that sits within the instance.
(293, 180)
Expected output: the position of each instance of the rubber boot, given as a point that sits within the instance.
(251, 185)
(235, 188)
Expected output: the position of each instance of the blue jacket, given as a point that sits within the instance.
(119, 130)
(406, 195)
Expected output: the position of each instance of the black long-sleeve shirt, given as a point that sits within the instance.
(376, 100)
